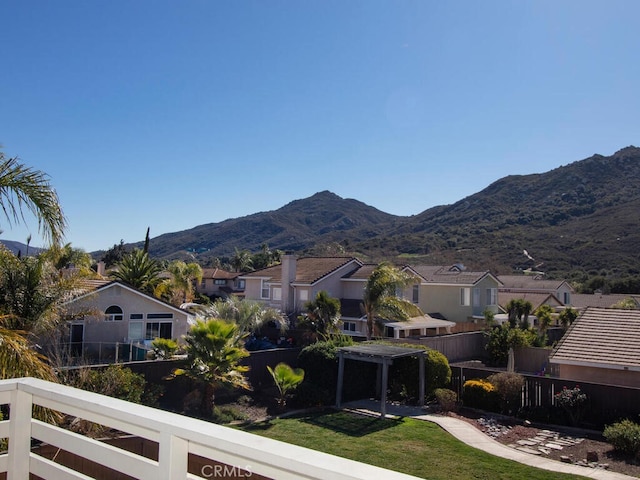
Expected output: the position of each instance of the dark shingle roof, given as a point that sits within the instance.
(528, 282)
(608, 337)
(448, 274)
(581, 300)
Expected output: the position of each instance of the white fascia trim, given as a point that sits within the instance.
(134, 291)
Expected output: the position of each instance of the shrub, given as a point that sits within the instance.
(114, 381)
(478, 393)
(572, 401)
(164, 348)
(403, 374)
(624, 436)
(223, 415)
(509, 388)
(320, 364)
(447, 399)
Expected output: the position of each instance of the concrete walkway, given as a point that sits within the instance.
(467, 433)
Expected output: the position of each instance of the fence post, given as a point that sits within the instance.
(117, 352)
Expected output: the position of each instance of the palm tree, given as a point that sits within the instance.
(184, 276)
(138, 270)
(380, 300)
(248, 315)
(241, 260)
(214, 350)
(322, 314)
(286, 379)
(22, 187)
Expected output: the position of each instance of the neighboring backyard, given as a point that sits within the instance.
(406, 445)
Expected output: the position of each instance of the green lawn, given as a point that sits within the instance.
(407, 445)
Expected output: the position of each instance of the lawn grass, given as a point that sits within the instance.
(406, 445)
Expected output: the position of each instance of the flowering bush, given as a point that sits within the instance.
(480, 393)
(570, 397)
(572, 400)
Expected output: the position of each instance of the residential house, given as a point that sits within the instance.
(580, 301)
(529, 284)
(449, 295)
(601, 346)
(456, 294)
(295, 281)
(219, 283)
(113, 312)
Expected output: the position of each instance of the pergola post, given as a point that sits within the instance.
(383, 393)
(421, 380)
(340, 378)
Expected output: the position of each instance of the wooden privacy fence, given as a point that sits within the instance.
(605, 403)
(456, 347)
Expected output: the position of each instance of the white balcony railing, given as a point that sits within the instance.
(177, 438)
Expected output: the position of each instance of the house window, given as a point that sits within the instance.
(241, 284)
(492, 296)
(415, 295)
(476, 297)
(136, 331)
(219, 281)
(203, 283)
(159, 315)
(158, 330)
(277, 293)
(567, 298)
(349, 326)
(264, 291)
(465, 297)
(113, 313)
(304, 295)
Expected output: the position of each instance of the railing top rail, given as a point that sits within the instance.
(288, 460)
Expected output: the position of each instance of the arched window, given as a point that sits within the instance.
(112, 313)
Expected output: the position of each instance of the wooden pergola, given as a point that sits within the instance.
(383, 355)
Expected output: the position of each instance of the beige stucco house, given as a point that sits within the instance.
(113, 312)
(447, 295)
(219, 283)
(530, 284)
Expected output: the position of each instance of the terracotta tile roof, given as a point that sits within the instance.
(308, 269)
(529, 282)
(536, 299)
(606, 337)
(362, 273)
(218, 273)
(580, 300)
(448, 274)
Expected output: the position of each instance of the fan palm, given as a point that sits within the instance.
(214, 350)
(380, 299)
(286, 379)
(22, 187)
(248, 315)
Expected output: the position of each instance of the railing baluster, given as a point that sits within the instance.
(20, 434)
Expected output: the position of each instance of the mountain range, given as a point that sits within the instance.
(579, 219)
(584, 216)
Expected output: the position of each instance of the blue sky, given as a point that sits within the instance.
(173, 114)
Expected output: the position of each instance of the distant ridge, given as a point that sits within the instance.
(581, 217)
